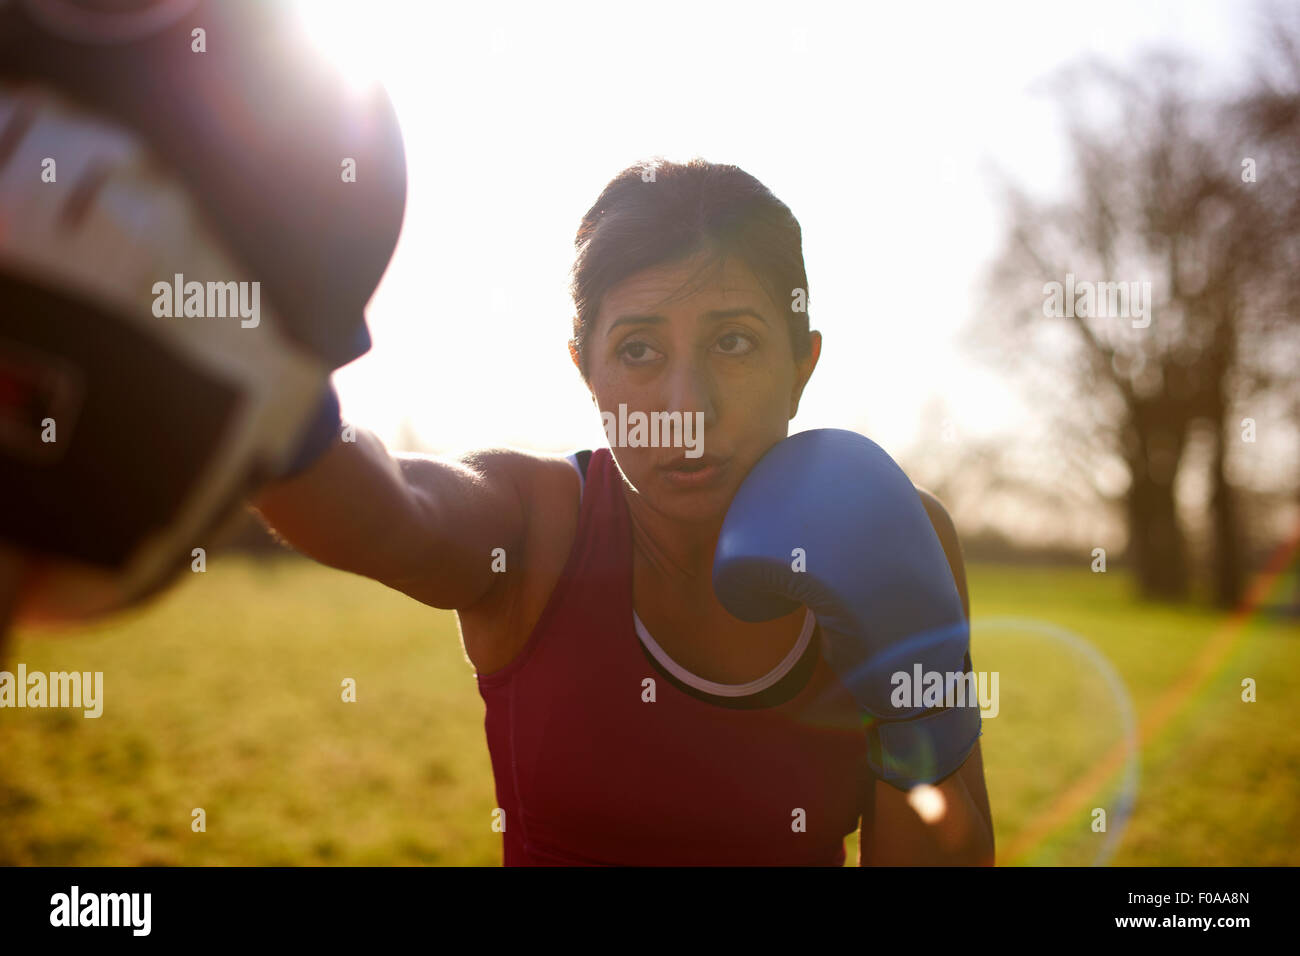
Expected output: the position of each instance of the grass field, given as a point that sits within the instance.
(225, 695)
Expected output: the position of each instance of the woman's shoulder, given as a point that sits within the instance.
(547, 486)
(946, 530)
(518, 463)
(541, 481)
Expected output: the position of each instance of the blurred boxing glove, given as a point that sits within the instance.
(130, 167)
(875, 576)
(257, 126)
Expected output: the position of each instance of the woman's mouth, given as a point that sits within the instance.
(703, 472)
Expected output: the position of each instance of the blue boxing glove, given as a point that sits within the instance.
(874, 574)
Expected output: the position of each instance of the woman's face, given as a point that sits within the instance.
(721, 356)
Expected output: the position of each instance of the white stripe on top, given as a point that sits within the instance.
(699, 683)
(728, 690)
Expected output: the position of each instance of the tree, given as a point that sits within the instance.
(1139, 293)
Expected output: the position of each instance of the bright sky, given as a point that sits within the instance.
(876, 123)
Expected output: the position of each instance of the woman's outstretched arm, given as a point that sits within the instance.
(425, 526)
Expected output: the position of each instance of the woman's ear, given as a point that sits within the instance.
(804, 369)
(577, 363)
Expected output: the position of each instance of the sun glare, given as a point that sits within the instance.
(349, 41)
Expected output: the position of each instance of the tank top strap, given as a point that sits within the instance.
(594, 592)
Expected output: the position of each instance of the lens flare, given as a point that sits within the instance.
(928, 802)
(347, 40)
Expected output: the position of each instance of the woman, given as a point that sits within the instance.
(630, 719)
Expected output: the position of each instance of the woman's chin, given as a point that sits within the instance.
(687, 504)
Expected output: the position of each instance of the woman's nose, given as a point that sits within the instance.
(691, 389)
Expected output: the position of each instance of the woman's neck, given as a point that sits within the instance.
(674, 557)
(672, 593)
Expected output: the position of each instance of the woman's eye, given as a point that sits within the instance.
(734, 343)
(637, 353)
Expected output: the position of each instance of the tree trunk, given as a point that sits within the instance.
(1226, 558)
(1229, 576)
(1157, 546)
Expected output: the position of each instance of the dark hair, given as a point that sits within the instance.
(686, 209)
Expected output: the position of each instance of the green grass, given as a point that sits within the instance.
(225, 695)
(1219, 780)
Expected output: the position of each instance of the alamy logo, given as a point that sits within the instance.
(208, 300)
(102, 909)
(1099, 300)
(655, 430)
(56, 689)
(937, 689)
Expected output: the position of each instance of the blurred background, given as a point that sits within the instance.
(1128, 498)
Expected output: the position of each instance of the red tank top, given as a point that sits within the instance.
(588, 771)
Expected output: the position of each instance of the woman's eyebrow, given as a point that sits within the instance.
(717, 315)
(713, 315)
